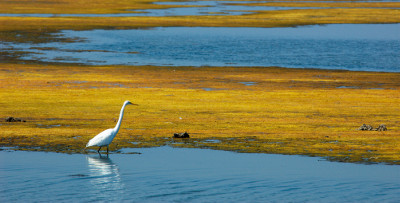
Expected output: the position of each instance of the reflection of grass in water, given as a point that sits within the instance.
(288, 111)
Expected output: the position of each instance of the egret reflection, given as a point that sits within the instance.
(105, 177)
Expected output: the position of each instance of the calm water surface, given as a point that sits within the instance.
(196, 175)
(350, 47)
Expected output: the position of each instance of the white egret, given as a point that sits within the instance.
(105, 138)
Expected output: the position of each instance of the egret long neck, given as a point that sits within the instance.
(121, 114)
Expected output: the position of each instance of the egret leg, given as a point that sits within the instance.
(107, 149)
(98, 151)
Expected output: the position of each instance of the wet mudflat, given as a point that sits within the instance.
(178, 174)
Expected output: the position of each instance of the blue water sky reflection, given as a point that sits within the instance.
(168, 174)
(373, 47)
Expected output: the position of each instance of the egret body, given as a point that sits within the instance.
(105, 138)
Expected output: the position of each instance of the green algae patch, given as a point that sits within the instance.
(285, 111)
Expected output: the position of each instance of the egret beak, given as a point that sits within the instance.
(133, 104)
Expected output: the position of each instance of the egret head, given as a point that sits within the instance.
(128, 102)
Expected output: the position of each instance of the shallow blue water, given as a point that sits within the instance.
(194, 175)
(350, 47)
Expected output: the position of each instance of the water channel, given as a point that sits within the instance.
(374, 47)
(182, 175)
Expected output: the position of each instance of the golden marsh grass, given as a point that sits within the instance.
(283, 18)
(79, 6)
(334, 12)
(321, 4)
(288, 111)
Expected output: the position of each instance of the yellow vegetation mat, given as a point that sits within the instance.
(310, 13)
(264, 110)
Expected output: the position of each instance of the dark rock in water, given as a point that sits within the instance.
(365, 127)
(381, 128)
(181, 135)
(12, 119)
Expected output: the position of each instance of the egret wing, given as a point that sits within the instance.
(102, 139)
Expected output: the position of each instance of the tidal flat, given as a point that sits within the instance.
(270, 14)
(265, 109)
(284, 111)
